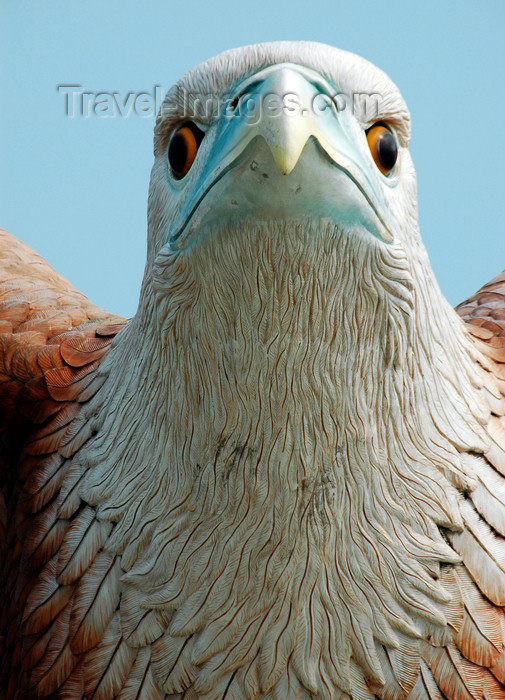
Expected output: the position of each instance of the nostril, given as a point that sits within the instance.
(248, 92)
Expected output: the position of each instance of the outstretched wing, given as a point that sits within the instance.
(52, 340)
(472, 665)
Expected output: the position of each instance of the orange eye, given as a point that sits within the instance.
(383, 147)
(183, 147)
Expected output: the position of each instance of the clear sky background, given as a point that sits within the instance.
(76, 189)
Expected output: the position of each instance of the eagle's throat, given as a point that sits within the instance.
(283, 378)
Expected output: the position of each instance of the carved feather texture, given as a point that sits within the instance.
(96, 599)
(255, 651)
(109, 664)
(85, 537)
(30, 370)
(284, 478)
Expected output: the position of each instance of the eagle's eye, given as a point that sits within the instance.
(383, 147)
(183, 147)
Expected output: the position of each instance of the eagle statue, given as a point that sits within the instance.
(284, 477)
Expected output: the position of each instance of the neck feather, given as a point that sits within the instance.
(279, 445)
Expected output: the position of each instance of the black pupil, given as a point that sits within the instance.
(387, 150)
(177, 153)
(178, 150)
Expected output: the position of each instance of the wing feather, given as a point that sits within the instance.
(84, 538)
(51, 347)
(108, 665)
(140, 684)
(426, 687)
(96, 598)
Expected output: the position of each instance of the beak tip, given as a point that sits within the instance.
(284, 163)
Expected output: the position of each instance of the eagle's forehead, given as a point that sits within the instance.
(352, 75)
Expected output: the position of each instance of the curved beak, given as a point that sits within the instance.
(282, 112)
(286, 106)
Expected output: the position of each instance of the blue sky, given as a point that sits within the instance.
(76, 189)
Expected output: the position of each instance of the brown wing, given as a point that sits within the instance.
(52, 340)
(486, 310)
(472, 665)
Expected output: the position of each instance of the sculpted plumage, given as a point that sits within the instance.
(284, 477)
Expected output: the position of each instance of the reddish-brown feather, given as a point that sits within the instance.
(52, 339)
(482, 636)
